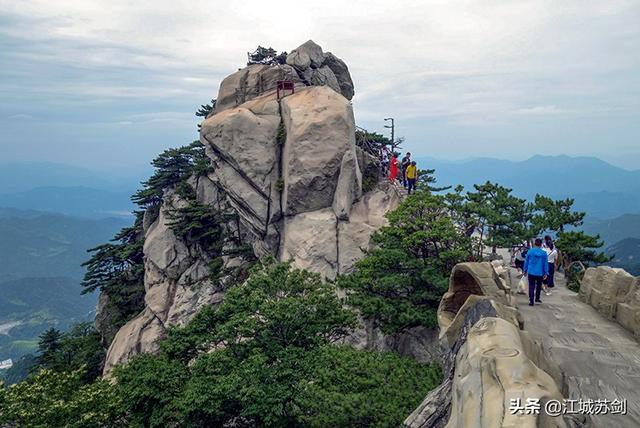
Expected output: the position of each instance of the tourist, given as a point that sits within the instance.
(393, 168)
(520, 254)
(411, 175)
(536, 267)
(384, 162)
(552, 256)
(406, 161)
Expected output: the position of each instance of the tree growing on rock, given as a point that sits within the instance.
(499, 216)
(398, 284)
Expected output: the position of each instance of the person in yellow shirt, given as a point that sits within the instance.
(412, 176)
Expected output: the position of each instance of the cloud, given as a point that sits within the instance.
(463, 70)
(539, 111)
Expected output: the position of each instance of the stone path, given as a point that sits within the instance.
(598, 358)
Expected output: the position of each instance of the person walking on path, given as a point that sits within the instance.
(411, 174)
(393, 168)
(406, 161)
(520, 254)
(552, 257)
(536, 267)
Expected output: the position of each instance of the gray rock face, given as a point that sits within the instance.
(309, 54)
(177, 282)
(615, 294)
(349, 187)
(320, 130)
(251, 82)
(341, 71)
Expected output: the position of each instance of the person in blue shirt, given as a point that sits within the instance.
(536, 267)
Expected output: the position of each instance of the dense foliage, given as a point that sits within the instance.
(266, 356)
(77, 349)
(172, 167)
(60, 399)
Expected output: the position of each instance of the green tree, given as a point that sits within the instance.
(49, 349)
(60, 399)
(427, 181)
(499, 216)
(78, 349)
(172, 167)
(555, 215)
(117, 269)
(578, 246)
(399, 283)
(206, 109)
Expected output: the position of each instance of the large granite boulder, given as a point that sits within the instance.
(242, 145)
(320, 130)
(251, 82)
(308, 54)
(342, 74)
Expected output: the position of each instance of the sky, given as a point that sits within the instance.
(109, 84)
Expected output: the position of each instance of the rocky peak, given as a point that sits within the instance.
(306, 65)
(288, 169)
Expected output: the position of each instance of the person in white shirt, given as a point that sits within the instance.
(552, 256)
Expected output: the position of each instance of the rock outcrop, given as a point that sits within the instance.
(615, 294)
(488, 360)
(288, 168)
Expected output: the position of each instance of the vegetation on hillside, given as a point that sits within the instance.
(266, 356)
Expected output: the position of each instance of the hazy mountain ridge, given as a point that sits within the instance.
(626, 255)
(75, 201)
(599, 188)
(48, 245)
(616, 229)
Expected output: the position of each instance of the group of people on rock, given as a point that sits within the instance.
(538, 264)
(405, 171)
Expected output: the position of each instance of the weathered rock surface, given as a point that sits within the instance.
(309, 54)
(487, 361)
(615, 294)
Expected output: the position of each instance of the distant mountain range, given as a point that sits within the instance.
(40, 273)
(599, 188)
(67, 189)
(616, 229)
(50, 245)
(18, 177)
(76, 201)
(626, 255)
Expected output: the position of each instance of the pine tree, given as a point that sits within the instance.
(49, 348)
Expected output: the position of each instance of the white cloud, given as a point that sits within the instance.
(463, 63)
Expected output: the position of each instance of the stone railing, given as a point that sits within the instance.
(488, 360)
(615, 294)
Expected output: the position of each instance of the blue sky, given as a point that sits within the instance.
(107, 85)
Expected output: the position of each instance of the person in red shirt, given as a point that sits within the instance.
(393, 168)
